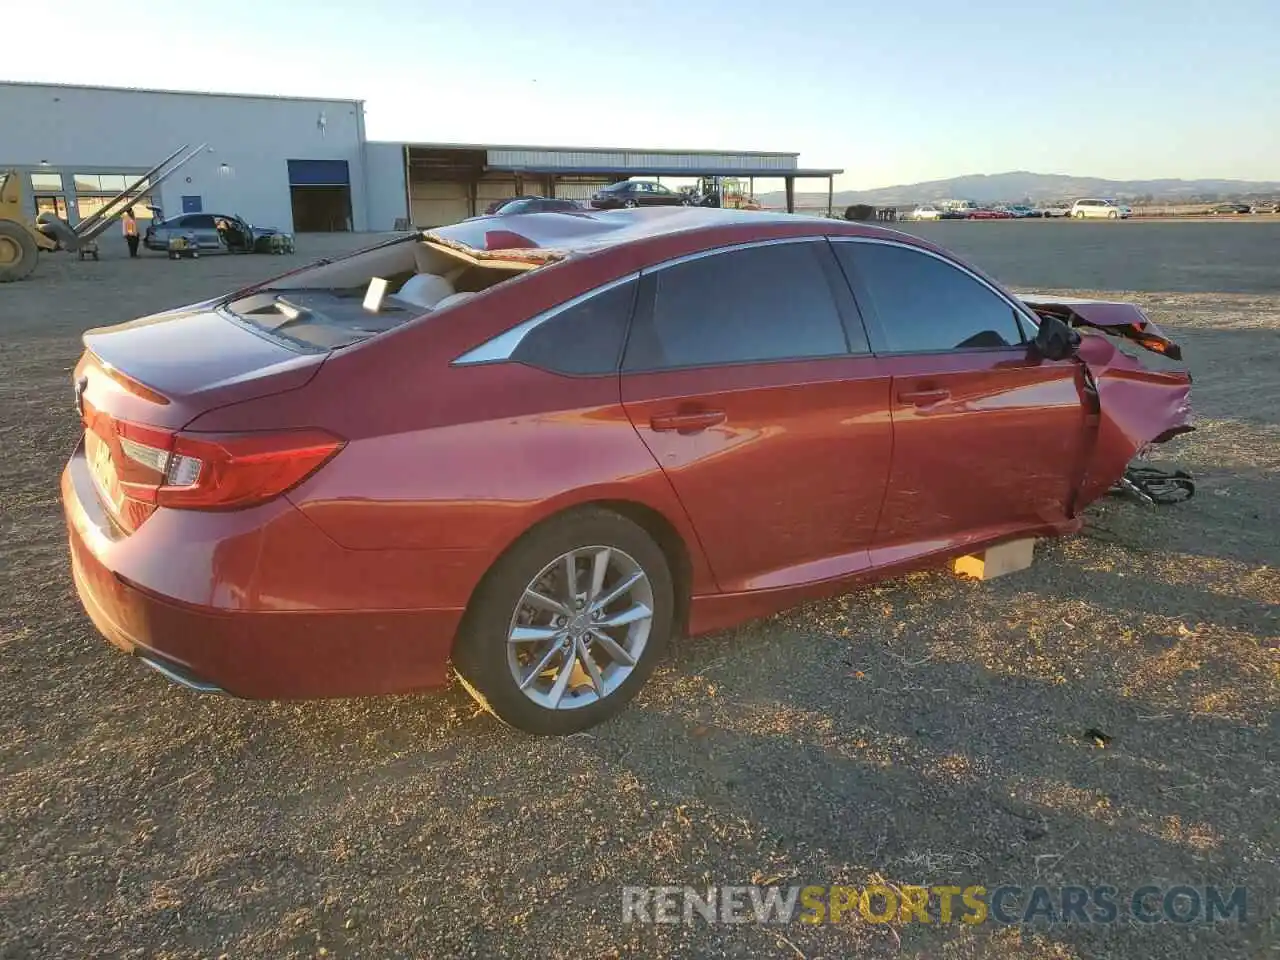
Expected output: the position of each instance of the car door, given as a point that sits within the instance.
(204, 228)
(664, 197)
(988, 435)
(749, 376)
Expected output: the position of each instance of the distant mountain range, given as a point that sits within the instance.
(1022, 185)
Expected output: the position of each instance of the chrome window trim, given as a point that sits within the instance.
(731, 248)
(1019, 309)
(505, 344)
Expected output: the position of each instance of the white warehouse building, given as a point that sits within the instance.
(300, 164)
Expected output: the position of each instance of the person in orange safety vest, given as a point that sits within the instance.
(131, 231)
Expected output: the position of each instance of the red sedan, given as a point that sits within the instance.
(540, 446)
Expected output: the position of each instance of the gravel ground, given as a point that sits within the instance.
(927, 730)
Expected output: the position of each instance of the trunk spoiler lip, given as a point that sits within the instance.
(1123, 319)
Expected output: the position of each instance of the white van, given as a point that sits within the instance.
(1108, 209)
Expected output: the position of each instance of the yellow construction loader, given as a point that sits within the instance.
(22, 239)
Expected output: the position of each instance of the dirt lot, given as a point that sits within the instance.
(928, 730)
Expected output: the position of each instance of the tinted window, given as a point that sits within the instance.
(585, 338)
(198, 222)
(924, 304)
(760, 303)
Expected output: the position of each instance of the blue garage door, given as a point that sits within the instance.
(318, 173)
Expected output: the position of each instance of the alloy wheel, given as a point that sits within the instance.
(580, 628)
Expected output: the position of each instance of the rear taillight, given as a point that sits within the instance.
(219, 472)
(193, 471)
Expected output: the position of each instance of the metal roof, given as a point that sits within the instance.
(580, 149)
(178, 93)
(764, 174)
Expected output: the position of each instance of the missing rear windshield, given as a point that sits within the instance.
(337, 304)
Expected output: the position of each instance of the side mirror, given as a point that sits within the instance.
(1055, 339)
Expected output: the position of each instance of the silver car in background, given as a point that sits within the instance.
(926, 211)
(243, 236)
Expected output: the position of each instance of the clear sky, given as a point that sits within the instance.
(893, 91)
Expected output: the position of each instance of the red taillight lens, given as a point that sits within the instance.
(230, 471)
(193, 471)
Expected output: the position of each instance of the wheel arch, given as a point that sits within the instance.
(656, 524)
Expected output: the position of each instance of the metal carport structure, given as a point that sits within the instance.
(789, 177)
(448, 182)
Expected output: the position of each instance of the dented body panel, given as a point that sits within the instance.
(1132, 404)
(1126, 320)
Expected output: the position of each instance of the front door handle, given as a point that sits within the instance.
(922, 398)
(686, 422)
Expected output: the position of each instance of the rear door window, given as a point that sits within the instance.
(752, 304)
(922, 304)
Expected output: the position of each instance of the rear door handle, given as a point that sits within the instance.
(923, 398)
(686, 422)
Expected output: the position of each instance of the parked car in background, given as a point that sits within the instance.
(1106, 209)
(957, 209)
(204, 227)
(518, 205)
(542, 463)
(988, 213)
(1020, 211)
(638, 193)
(1055, 210)
(926, 211)
(1266, 206)
(1232, 208)
(498, 204)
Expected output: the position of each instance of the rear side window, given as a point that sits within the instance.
(583, 339)
(925, 305)
(771, 302)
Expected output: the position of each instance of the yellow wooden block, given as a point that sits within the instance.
(996, 561)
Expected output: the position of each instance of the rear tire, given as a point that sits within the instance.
(490, 665)
(18, 252)
(629, 204)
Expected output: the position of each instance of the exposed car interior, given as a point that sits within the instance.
(325, 307)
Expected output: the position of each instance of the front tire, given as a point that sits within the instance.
(568, 624)
(629, 204)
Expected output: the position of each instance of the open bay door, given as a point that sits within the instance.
(320, 191)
